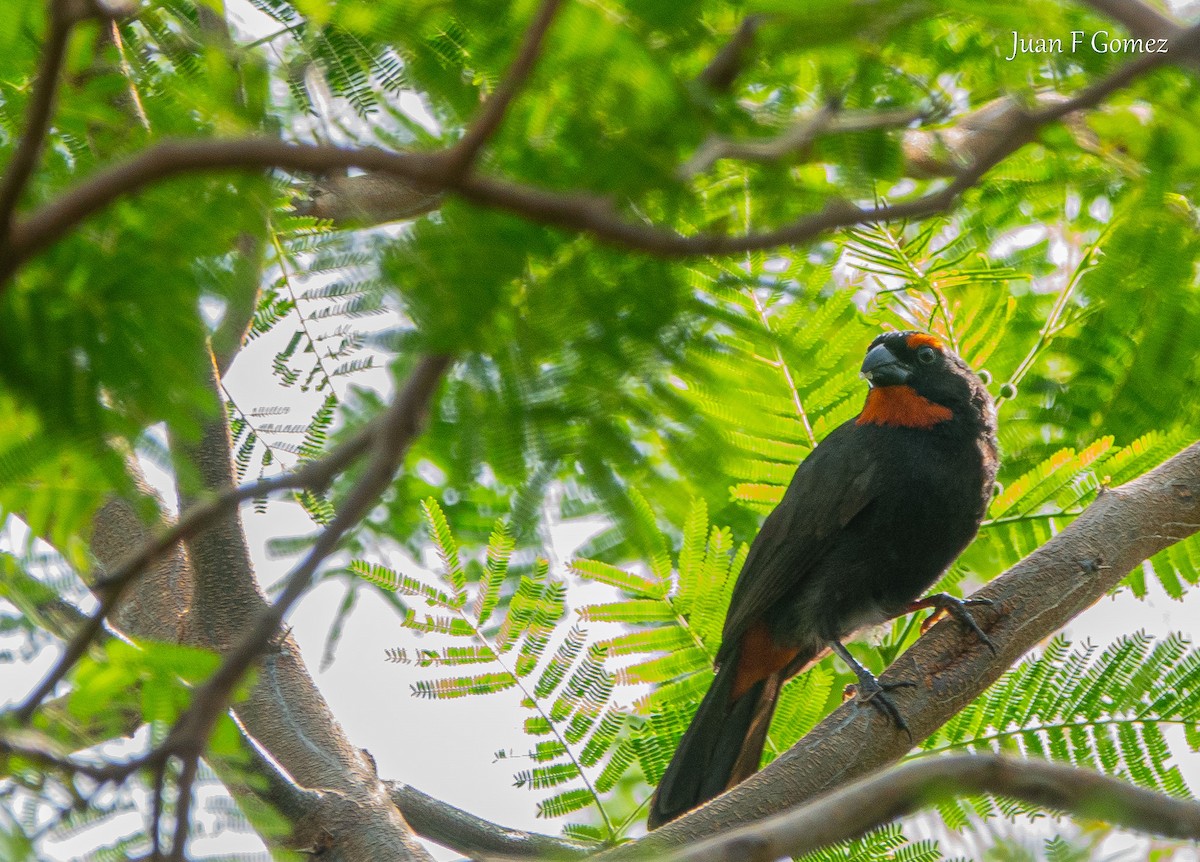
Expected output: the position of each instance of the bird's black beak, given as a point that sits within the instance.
(882, 368)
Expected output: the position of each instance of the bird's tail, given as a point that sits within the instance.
(722, 746)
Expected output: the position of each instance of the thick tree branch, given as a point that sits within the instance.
(950, 667)
(225, 594)
(399, 427)
(230, 334)
(475, 837)
(1138, 18)
(575, 211)
(855, 810)
(355, 813)
(315, 476)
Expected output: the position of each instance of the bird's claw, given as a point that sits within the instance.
(957, 608)
(871, 690)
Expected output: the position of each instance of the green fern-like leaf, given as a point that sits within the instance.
(443, 539)
(392, 581)
(1104, 710)
(499, 551)
(886, 844)
(565, 803)
(455, 687)
(603, 573)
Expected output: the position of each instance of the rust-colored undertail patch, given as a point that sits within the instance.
(756, 736)
(902, 407)
(760, 657)
(922, 339)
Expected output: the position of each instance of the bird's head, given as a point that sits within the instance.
(918, 382)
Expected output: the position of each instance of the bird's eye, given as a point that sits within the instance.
(926, 355)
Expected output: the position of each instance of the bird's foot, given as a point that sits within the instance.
(870, 690)
(944, 603)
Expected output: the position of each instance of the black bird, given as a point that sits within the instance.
(872, 518)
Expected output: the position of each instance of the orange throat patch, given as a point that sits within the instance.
(901, 406)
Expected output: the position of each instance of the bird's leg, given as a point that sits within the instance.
(871, 690)
(955, 607)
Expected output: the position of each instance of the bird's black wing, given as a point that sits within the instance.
(831, 486)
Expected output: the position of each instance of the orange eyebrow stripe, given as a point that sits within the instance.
(922, 339)
(901, 406)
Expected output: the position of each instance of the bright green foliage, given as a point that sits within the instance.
(590, 381)
(151, 677)
(1104, 710)
(883, 845)
(561, 677)
(1036, 505)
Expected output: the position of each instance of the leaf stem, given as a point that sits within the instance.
(281, 256)
(1052, 325)
(478, 634)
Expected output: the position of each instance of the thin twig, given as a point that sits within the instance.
(281, 256)
(183, 807)
(1051, 327)
(825, 121)
(855, 810)
(135, 97)
(15, 743)
(37, 121)
(1037, 516)
(532, 698)
(462, 155)
(780, 362)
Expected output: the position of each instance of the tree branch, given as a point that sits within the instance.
(855, 810)
(826, 121)
(225, 595)
(41, 107)
(400, 426)
(723, 69)
(36, 748)
(1138, 18)
(475, 837)
(950, 667)
(315, 476)
(576, 211)
(462, 155)
(230, 334)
